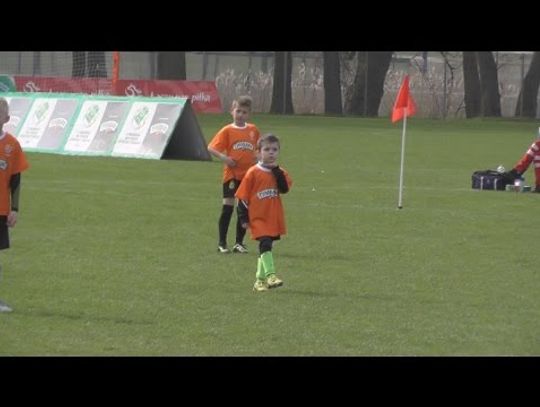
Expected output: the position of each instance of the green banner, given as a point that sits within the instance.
(7, 84)
(76, 124)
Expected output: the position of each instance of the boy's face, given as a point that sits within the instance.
(240, 115)
(269, 153)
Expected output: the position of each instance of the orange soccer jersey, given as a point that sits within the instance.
(12, 161)
(260, 192)
(239, 144)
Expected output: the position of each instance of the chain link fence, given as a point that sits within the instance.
(436, 77)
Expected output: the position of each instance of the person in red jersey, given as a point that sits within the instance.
(261, 210)
(531, 156)
(12, 163)
(235, 145)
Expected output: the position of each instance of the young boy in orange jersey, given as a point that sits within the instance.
(235, 145)
(12, 163)
(260, 207)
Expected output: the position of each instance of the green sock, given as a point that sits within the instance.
(260, 269)
(267, 261)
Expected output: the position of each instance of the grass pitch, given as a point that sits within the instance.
(117, 256)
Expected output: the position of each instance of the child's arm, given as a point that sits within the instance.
(222, 157)
(243, 213)
(282, 184)
(14, 185)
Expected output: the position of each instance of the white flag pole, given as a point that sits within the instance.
(400, 199)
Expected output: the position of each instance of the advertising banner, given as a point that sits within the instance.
(18, 109)
(203, 95)
(138, 127)
(36, 123)
(86, 126)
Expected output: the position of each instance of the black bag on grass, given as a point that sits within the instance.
(490, 180)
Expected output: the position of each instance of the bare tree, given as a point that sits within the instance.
(282, 94)
(332, 83)
(471, 85)
(368, 84)
(171, 65)
(527, 104)
(489, 84)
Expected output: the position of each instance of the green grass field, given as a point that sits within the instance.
(117, 256)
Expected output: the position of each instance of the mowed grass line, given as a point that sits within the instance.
(117, 256)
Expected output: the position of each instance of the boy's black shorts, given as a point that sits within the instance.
(4, 235)
(230, 187)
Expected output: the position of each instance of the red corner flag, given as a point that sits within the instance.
(403, 101)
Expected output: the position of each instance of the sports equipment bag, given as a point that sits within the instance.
(490, 180)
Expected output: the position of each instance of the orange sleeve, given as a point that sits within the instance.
(244, 190)
(219, 142)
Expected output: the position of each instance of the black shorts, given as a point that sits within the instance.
(4, 235)
(230, 187)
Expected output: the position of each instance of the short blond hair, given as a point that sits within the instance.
(244, 101)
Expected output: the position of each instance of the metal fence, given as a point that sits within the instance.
(436, 78)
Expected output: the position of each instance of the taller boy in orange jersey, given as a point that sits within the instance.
(12, 163)
(235, 145)
(261, 210)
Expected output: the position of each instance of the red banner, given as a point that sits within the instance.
(203, 94)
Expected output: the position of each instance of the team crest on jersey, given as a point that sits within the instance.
(8, 149)
(243, 145)
(252, 135)
(232, 184)
(267, 193)
(3, 165)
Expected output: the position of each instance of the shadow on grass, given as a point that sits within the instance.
(359, 296)
(318, 255)
(82, 317)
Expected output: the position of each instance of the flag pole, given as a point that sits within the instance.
(400, 198)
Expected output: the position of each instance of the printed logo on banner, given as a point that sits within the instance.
(159, 128)
(40, 112)
(140, 117)
(58, 122)
(109, 125)
(132, 90)
(31, 87)
(91, 115)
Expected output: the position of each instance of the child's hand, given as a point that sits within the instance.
(12, 219)
(229, 161)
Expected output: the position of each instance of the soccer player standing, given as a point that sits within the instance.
(12, 163)
(261, 210)
(235, 145)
